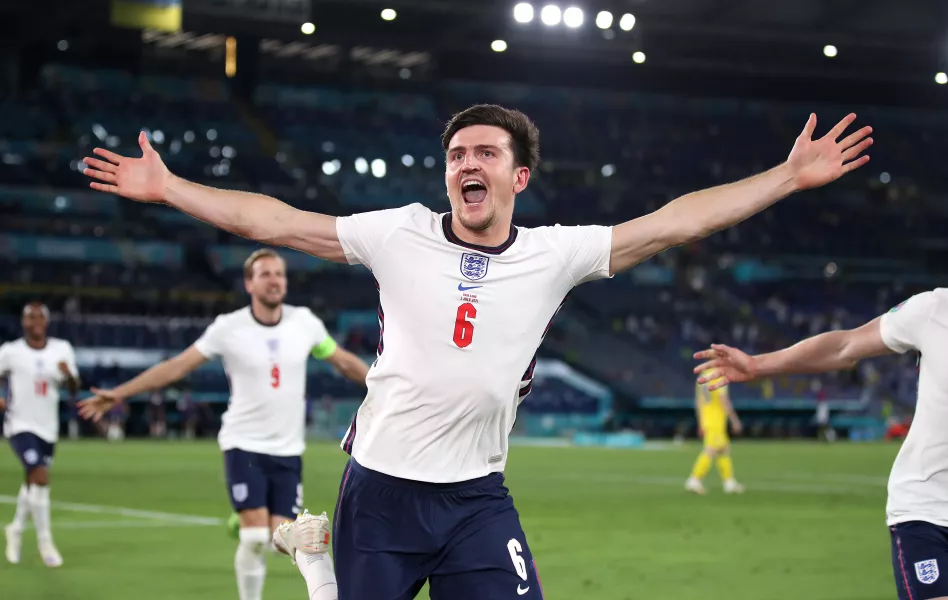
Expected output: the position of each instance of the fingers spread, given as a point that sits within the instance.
(810, 127)
(109, 155)
(856, 150)
(100, 175)
(102, 187)
(855, 164)
(840, 127)
(854, 138)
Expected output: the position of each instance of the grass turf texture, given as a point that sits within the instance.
(604, 524)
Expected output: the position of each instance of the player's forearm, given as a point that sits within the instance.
(257, 217)
(156, 377)
(354, 369)
(699, 214)
(72, 385)
(830, 351)
(248, 215)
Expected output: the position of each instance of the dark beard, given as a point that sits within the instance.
(270, 305)
(479, 228)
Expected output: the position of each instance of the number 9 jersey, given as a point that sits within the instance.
(461, 325)
(266, 368)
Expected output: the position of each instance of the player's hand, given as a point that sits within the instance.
(737, 427)
(726, 364)
(143, 179)
(96, 407)
(817, 162)
(64, 369)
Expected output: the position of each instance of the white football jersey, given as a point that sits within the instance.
(918, 482)
(266, 367)
(461, 325)
(35, 380)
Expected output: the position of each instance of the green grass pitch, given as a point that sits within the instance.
(603, 524)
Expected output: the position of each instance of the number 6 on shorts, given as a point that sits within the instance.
(514, 547)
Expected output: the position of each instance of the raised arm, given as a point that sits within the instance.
(252, 216)
(811, 163)
(830, 351)
(158, 376)
(349, 365)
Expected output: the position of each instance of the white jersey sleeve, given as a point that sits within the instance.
(584, 250)
(903, 328)
(211, 343)
(362, 235)
(323, 345)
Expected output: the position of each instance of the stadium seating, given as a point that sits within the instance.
(322, 148)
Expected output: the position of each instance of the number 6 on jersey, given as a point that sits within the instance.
(514, 547)
(463, 328)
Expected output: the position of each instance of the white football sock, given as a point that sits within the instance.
(250, 563)
(22, 510)
(39, 506)
(319, 575)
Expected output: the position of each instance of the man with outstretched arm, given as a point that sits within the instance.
(465, 301)
(917, 507)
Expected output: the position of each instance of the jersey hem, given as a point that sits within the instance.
(890, 521)
(259, 449)
(424, 477)
(9, 432)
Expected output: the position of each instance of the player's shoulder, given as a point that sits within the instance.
(556, 233)
(58, 343)
(240, 316)
(930, 301)
(298, 313)
(11, 345)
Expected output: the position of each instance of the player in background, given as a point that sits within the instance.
(465, 301)
(265, 348)
(36, 366)
(917, 507)
(714, 410)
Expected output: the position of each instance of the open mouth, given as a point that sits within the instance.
(473, 192)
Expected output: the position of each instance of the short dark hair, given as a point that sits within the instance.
(257, 255)
(524, 135)
(38, 305)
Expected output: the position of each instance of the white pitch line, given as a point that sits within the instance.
(116, 524)
(127, 512)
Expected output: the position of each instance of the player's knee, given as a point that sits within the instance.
(38, 476)
(254, 517)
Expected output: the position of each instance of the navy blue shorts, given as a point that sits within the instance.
(32, 450)
(919, 552)
(264, 481)
(391, 535)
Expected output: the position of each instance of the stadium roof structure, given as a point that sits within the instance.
(884, 51)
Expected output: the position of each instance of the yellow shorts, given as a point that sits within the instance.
(716, 438)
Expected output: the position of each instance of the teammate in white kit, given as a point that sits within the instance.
(265, 348)
(917, 508)
(465, 300)
(37, 366)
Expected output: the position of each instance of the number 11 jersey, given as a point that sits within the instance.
(460, 328)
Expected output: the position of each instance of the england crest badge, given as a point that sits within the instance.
(927, 571)
(240, 492)
(474, 266)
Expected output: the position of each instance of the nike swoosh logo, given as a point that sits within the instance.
(464, 288)
(521, 592)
